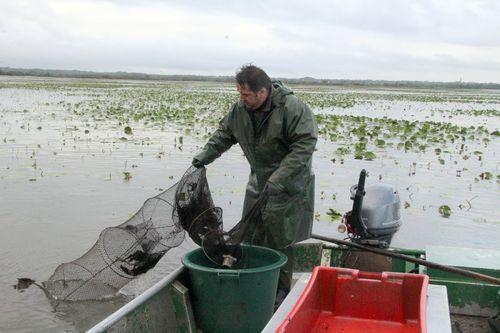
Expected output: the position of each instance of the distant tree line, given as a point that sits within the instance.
(212, 78)
(107, 75)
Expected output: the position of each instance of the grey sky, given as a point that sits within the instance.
(436, 40)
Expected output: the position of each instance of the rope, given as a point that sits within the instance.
(446, 268)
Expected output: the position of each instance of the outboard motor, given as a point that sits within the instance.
(375, 216)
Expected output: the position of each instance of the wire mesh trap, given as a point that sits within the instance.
(132, 248)
(125, 251)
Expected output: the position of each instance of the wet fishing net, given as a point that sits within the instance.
(132, 248)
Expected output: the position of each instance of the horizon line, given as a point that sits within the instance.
(17, 71)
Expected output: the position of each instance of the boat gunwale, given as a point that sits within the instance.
(122, 312)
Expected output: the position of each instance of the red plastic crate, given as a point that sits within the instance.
(350, 301)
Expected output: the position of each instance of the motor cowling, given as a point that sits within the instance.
(376, 213)
(381, 211)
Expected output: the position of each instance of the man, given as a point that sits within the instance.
(277, 133)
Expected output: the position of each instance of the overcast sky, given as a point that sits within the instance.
(434, 40)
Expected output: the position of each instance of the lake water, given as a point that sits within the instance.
(62, 174)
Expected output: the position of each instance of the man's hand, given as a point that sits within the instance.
(197, 163)
(271, 189)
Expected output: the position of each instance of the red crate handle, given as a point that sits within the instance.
(370, 275)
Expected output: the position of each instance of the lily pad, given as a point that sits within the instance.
(369, 156)
(444, 211)
(127, 130)
(486, 175)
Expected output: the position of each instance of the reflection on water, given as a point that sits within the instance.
(60, 186)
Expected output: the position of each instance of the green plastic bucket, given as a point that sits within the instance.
(240, 299)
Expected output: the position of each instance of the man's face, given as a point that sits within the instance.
(250, 99)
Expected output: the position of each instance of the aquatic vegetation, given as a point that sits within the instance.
(444, 211)
(127, 130)
(127, 110)
(486, 175)
(197, 109)
(334, 214)
(471, 112)
(369, 156)
(404, 134)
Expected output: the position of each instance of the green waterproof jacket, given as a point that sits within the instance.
(279, 150)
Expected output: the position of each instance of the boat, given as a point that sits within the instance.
(454, 303)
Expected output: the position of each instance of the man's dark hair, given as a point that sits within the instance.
(254, 77)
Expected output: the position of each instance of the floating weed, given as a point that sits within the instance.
(472, 112)
(127, 176)
(444, 211)
(127, 130)
(195, 109)
(343, 150)
(414, 136)
(422, 147)
(334, 214)
(486, 175)
(369, 156)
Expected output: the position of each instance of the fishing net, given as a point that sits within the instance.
(132, 248)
